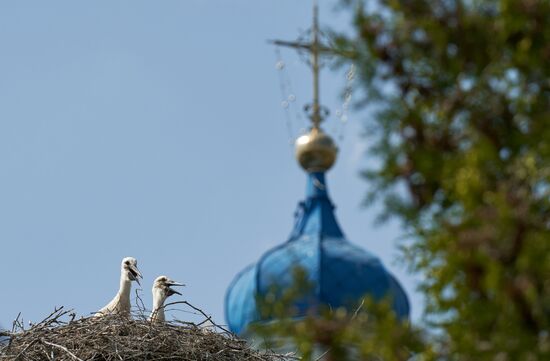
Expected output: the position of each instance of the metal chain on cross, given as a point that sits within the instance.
(315, 111)
(314, 47)
(288, 97)
(342, 113)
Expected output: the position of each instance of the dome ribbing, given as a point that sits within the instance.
(340, 272)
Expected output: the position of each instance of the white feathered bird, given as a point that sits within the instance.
(161, 291)
(121, 303)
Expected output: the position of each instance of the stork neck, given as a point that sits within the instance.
(158, 309)
(158, 302)
(125, 287)
(158, 315)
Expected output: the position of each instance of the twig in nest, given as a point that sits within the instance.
(62, 348)
(140, 305)
(208, 318)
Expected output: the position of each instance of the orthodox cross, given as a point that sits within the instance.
(314, 47)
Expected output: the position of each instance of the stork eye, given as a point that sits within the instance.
(127, 263)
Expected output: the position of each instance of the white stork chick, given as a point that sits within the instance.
(121, 303)
(161, 291)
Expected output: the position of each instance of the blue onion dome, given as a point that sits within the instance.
(341, 273)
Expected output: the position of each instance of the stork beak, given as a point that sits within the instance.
(173, 291)
(135, 274)
(173, 283)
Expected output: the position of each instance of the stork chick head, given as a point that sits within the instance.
(161, 287)
(130, 270)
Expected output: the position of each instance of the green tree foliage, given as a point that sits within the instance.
(371, 332)
(462, 132)
(459, 92)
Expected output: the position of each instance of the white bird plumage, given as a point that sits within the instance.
(121, 303)
(161, 291)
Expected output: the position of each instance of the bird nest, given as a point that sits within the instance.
(60, 337)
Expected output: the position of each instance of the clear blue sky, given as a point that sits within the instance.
(154, 129)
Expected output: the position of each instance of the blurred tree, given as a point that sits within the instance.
(371, 332)
(462, 132)
(461, 96)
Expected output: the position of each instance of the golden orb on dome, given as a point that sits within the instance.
(316, 151)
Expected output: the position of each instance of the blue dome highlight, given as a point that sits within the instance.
(340, 272)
